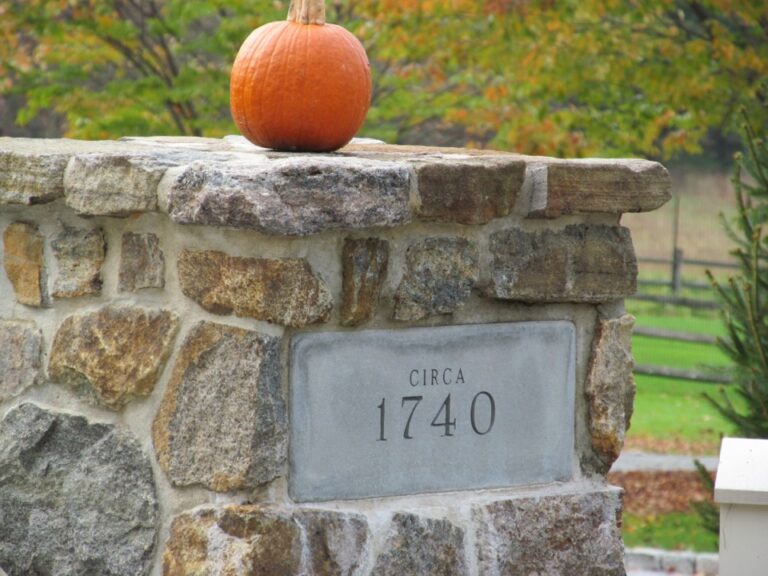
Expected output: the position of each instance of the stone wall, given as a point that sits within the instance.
(149, 293)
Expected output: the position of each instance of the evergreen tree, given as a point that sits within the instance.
(744, 300)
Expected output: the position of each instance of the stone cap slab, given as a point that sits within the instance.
(742, 475)
(232, 183)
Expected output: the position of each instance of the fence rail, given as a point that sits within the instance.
(676, 283)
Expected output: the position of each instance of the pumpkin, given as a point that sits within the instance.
(300, 84)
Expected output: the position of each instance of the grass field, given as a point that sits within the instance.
(673, 531)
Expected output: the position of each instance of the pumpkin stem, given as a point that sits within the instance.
(307, 11)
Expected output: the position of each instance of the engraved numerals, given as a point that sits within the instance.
(482, 416)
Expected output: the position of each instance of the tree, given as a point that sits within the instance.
(118, 67)
(564, 77)
(744, 299)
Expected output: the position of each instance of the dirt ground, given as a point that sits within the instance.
(659, 492)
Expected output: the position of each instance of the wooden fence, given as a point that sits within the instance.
(676, 285)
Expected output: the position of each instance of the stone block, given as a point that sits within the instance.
(564, 187)
(142, 263)
(75, 497)
(468, 191)
(114, 354)
(254, 539)
(283, 291)
(336, 541)
(121, 183)
(291, 195)
(439, 276)
(610, 387)
(24, 263)
(423, 547)
(364, 265)
(21, 344)
(222, 422)
(678, 562)
(32, 169)
(708, 564)
(581, 263)
(79, 255)
(563, 534)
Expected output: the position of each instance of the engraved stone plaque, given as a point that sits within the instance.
(393, 412)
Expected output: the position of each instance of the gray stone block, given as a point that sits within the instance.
(379, 412)
(21, 344)
(560, 534)
(422, 547)
(75, 497)
(79, 255)
(295, 196)
(222, 421)
(438, 279)
(142, 263)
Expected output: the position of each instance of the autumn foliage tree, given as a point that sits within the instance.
(565, 77)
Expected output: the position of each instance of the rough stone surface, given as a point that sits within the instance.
(335, 541)
(558, 535)
(597, 186)
(610, 387)
(290, 195)
(472, 191)
(582, 263)
(245, 540)
(24, 263)
(142, 264)
(20, 346)
(439, 277)
(114, 183)
(75, 497)
(364, 269)
(115, 353)
(32, 169)
(79, 255)
(423, 547)
(283, 291)
(222, 422)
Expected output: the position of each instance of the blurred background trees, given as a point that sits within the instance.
(656, 78)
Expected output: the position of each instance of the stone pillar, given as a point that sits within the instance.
(387, 360)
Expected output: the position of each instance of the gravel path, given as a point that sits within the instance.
(631, 461)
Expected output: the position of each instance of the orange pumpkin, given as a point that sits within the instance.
(300, 84)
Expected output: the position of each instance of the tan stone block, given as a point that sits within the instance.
(283, 291)
(364, 268)
(114, 353)
(610, 387)
(236, 540)
(581, 263)
(563, 187)
(24, 263)
(468, 191)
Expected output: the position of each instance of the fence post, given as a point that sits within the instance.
(677, 270)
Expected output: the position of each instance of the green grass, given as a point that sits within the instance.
(701, 323)
(674, 531)
(675, 354)
(666, 408)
